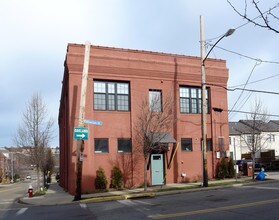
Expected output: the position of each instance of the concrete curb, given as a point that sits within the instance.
(118, 197)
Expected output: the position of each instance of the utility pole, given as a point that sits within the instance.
(204, 106)
(235, 159)
(12, 165)
(80, 143)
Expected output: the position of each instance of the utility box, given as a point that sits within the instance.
(248, 169)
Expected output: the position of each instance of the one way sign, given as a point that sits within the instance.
(81, 133)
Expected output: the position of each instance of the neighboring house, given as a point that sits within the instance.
(241, 134)
(117, 82)
(5, 163)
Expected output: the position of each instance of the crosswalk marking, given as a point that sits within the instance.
(83, 205)
(21, 211)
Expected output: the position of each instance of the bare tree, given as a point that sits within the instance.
(257, 122)
(35, 132)
(155, 117)
(266, 18)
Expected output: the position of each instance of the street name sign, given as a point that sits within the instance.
(94, 122)
(81, 133)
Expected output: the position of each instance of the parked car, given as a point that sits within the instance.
(28, 177)
(258, 167)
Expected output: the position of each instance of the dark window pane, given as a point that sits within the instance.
(209, 144)
(186, 144)
(124, 145)
(101, 145)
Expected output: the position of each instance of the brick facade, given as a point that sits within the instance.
(143, 71)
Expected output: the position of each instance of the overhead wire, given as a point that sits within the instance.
(245, 56)
(256, 81)
(234, 105)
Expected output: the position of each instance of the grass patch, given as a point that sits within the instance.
(230, 183)
(177, 188)
(40, 192)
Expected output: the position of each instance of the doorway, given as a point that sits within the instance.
(157, 169)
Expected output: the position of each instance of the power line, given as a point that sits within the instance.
(245, 56)
(245, 112)
(250, 90)
(244, 87)
(256, 81)
(255, 90)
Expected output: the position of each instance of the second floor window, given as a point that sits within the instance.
(249, 139)
(111, 96)
(155, 100)
(191, 100)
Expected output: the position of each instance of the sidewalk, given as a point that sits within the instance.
(57, 196)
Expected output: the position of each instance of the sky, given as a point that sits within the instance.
(35, 35)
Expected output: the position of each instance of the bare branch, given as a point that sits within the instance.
(264, 16)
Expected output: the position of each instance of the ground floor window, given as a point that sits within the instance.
(124, 145)
(186, 144)
(208, 144)
(101, 145)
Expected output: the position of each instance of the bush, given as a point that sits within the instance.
(223, 169)
(116, 178)
(231, 171)
(101, 179)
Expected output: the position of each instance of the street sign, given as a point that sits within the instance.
(94, 122)
(81, 133)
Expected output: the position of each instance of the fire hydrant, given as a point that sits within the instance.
(30, 191)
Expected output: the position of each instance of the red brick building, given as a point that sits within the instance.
(118, 79)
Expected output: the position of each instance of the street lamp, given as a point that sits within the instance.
(204, 104)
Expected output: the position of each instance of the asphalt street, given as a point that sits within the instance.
(258, 200)
(242, 202)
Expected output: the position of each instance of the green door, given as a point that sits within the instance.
(157, 169)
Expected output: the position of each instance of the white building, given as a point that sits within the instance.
(241, 133)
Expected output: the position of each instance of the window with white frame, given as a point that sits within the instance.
(191, 100)
(249, 139)
(111, 96)
(271, 138)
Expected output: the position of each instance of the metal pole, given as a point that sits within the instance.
(12, 161)
(235, 159)
(81, 120)
(204, 105)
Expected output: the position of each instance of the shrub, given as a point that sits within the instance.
(116, 178)
(101, 179)
(231, 171)
(223, 169)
